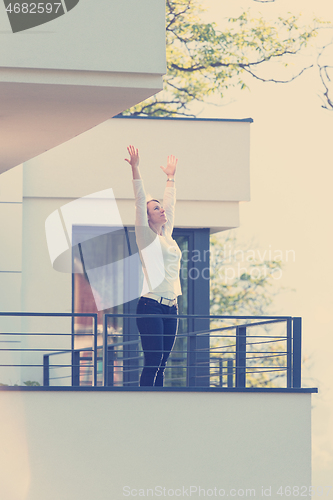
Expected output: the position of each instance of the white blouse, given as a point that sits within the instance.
(160, 255)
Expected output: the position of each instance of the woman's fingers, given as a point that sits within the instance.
(134, 156)
(172, 160)
(132, 151)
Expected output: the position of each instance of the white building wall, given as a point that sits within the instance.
(91, 445)
(209, 186)
(10, 268)
(95, 160)
(103, 35)
(208, 193)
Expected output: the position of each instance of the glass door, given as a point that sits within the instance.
(104, 278)
(107, 278)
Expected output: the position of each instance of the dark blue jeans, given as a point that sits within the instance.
(157, 339)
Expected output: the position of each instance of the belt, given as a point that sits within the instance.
(161, 300)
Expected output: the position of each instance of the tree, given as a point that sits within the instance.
(203, 61)
(241, 280)
(241, 283)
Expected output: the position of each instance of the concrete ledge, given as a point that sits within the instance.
(282, 390)
(81, 445)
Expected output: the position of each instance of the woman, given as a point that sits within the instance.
(160, 258)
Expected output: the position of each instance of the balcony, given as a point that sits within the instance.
(223, 353)
(232, 419)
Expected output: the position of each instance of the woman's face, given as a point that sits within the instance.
(156, 213)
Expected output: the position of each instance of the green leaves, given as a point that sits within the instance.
(241, 279)
(241, 283)
(203, 61)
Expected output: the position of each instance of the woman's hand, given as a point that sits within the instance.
(134, 157)
(170, 169)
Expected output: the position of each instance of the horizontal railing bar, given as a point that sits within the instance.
(45, 349)
(42, 366)
(277, 355)
(175, 351)
(127, 342)
(61, 315)
(58, 378)
(198, 316)
(119, 368)
(267, 341)
(258, 323)
(48, 333)
(279, 369)
(207, 332)
(86, 349)
(228, 346)
(282, 337)
(231, 353)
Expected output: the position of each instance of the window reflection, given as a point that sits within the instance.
(124, 349)
(175, 373)
(96, 252)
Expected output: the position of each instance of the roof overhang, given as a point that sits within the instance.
(35, 117)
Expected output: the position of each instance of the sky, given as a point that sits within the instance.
(291, 203)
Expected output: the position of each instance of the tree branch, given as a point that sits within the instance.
(277, 81)
(204, 61)
(325, 80)
(219, 64)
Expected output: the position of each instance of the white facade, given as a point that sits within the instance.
(64, 77)
(103, 445)
(208, 194)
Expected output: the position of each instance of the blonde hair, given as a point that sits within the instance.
(149, 199)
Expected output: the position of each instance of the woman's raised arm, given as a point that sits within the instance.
(170, 170)
(139, 192)
(134, 161)
(169, 199)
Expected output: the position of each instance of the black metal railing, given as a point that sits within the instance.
(210, 351)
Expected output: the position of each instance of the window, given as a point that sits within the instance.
(102, 278)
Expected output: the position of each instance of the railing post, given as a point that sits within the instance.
(297, 351)
(230, 374)
(289, 352)
(95, 361)
(191, 359)
(105, 352)
(240, 356)
(221, 372)
(46, 370)
(110, 365)
(75, 368)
